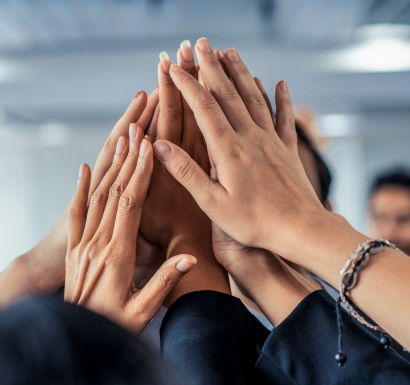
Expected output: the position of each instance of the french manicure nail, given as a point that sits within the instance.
(219, 53)
(186, 50)
(232, 55)
(120, 145)
(136, 95)
(133, 134)
(143, 148)
(184, 265)
(165, 61)
(284, 86)
(82, 170)
(156, 88)
(204, 45)
(162, 150)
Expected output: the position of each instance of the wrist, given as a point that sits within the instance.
(322, 245)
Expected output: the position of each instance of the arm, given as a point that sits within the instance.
(263, 197)
(171, 218)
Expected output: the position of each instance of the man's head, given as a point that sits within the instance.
(315, 168)
(389, 208)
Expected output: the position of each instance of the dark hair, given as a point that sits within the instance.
(49, 341)
(398, 177)
(325, 178)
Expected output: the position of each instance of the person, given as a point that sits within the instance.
(389, 208)
(272, 206)
(262, 206)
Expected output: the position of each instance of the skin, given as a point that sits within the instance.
(101, 242)
(42, 269)
(262, 197)
(171, 218)
(390, 215)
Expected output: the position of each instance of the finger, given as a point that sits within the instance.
(201, 80)
(266, 97)
(191, 133)
(145, 304)
(130, 205)
(99, 198)
(248, 90)
(147, 115)
(185, 58)
(118, 188)
(104, 161)
(221, 87)
(170, 117)
(208, 114)
(153, 126)
(220, 55)
(285, 119)
(78, 211)
(186, 171)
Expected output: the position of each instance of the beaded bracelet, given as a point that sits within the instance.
(348, 278)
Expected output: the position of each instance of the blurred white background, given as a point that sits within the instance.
(69, 68)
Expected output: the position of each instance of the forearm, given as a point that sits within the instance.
(271, 284)
(207, 274)
(383, 287)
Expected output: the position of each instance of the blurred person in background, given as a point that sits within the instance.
(389, 208)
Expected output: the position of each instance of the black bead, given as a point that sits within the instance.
(340, 358)
(385, 341)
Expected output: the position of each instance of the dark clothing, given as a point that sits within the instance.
(211, 338)
(49, 341)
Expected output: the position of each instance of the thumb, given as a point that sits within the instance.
(187, 172)
(152, 295)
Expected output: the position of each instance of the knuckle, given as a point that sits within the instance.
(290, 122)
(98, 198)
(184, 170)
(165, 278)
(206, 102)
(172, 112)
(72, 214)
(255, 99)
(117, 189)
(228, 92)
(128, 202)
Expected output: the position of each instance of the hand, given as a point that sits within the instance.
(100, 262)
(42, 269)
(171, 218)
(262, 196)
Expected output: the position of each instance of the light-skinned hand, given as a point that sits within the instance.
(101, 256)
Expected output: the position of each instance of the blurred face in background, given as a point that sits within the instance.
(390, 215)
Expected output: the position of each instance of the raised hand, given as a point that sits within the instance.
(101, 257)
(250, 156)
(171, 218)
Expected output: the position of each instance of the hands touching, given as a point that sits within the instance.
(101, 257)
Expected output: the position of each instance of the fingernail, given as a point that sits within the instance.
(133, 134)
(283, 86)
(232, 55)
(143, 148)
(186, 50)
(165, 61)
(162, 150)
(176, 68)
(82, 170)
(120, 145)
(184, 265)
(156, 88)
(219, 53)
(136, 95)
(204, 45)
